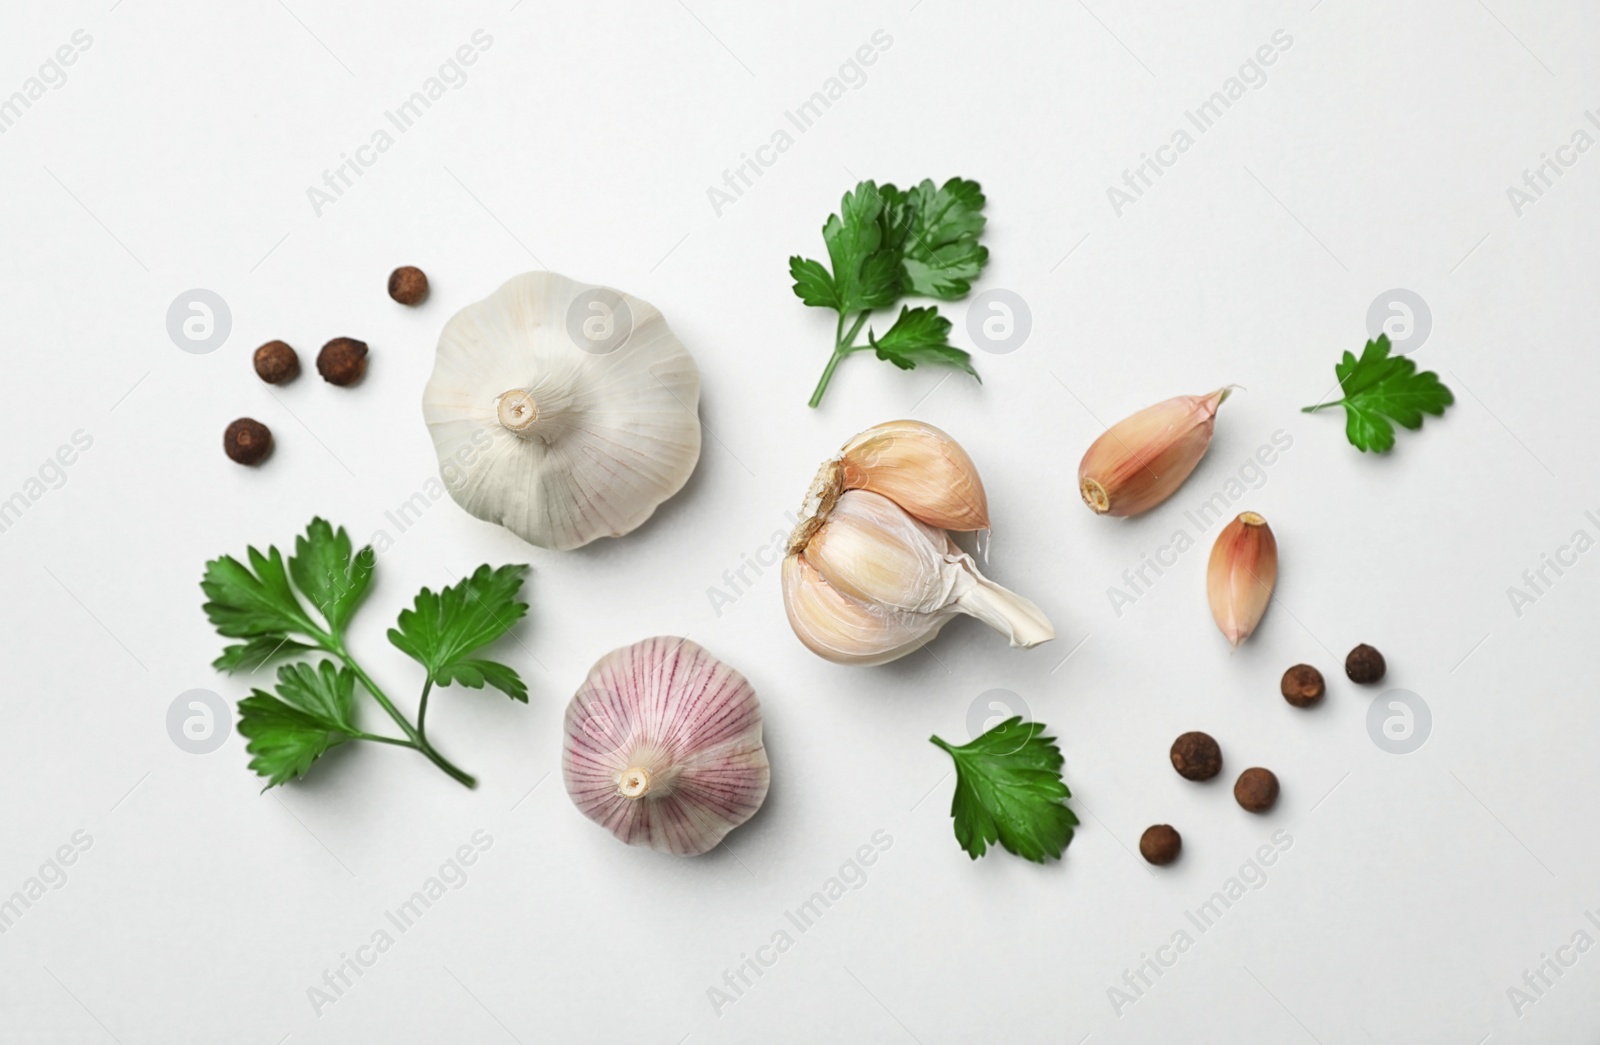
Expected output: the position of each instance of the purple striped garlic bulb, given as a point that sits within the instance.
(663, 747)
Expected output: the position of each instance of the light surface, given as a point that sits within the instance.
(1415, 889)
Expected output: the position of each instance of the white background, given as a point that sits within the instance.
(1418, 888)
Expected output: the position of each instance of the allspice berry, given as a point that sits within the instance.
(1196, 756)
(1302, 685)
(408, 284)
(1256, 789)
(342, 361)
(1160, 844)
(247, 441)
(1365, 665)
(276, 363)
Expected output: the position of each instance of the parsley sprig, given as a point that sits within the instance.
(1009, 789)
(885, 244)
(1379, 388)
(311, 710)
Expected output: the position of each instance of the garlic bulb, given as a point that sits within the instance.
(663, 747)
(1142, 460)
(870, 576)
(562, 411)
(1241, 575)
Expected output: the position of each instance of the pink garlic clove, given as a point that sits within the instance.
(1142, 460)
(1241, 575)
(663, 747)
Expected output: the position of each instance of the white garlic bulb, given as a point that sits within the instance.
(562, 411)
(870, 575)
(663, 747)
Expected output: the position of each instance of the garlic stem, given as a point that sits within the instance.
(516, 410)
(634, 782)
(1004, 610)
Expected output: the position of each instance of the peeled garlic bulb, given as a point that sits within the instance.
(564, 411)
(663, 747)
(1142, 460)
(868, 579)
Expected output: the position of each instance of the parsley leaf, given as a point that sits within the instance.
(439, 631)
(334, 579)
(310, 714)
(1379, 388)
(1009, 789)
(920, 335)
(253, 602)
(942, 255)
(886, 243)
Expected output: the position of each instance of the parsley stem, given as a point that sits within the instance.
(842, 346)
(422, 709)
(414, 737)
(1320, 406)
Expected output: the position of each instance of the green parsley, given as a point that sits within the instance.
(1009, 789)
(1379, 389)
(312, 708)
(886, 244)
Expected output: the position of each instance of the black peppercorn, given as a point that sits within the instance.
(247, 441)
(276, 363)
(1364, 664)
(1196, 756)
(1160, 844)
(342, 361)
(1256, 789)
(1302, 685)
(408, 284)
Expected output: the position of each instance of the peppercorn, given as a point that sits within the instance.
(1256, 789)
(1364, 664)
(276, 363)
(408, 284)
(1302, 685)
(1160, 844)
(1196, 756)
(342, 361)
(247, 441)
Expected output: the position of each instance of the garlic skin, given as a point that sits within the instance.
(1142, 460)
(663, 747)
(867, 579)
(1241, 575)
(559, 439)
(921, 469)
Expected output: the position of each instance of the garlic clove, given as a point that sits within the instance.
(1142, 460)
(845, 631)
(871, 551)
(663, 747)
(1241, 575)
(560, 438)
(921, 469)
